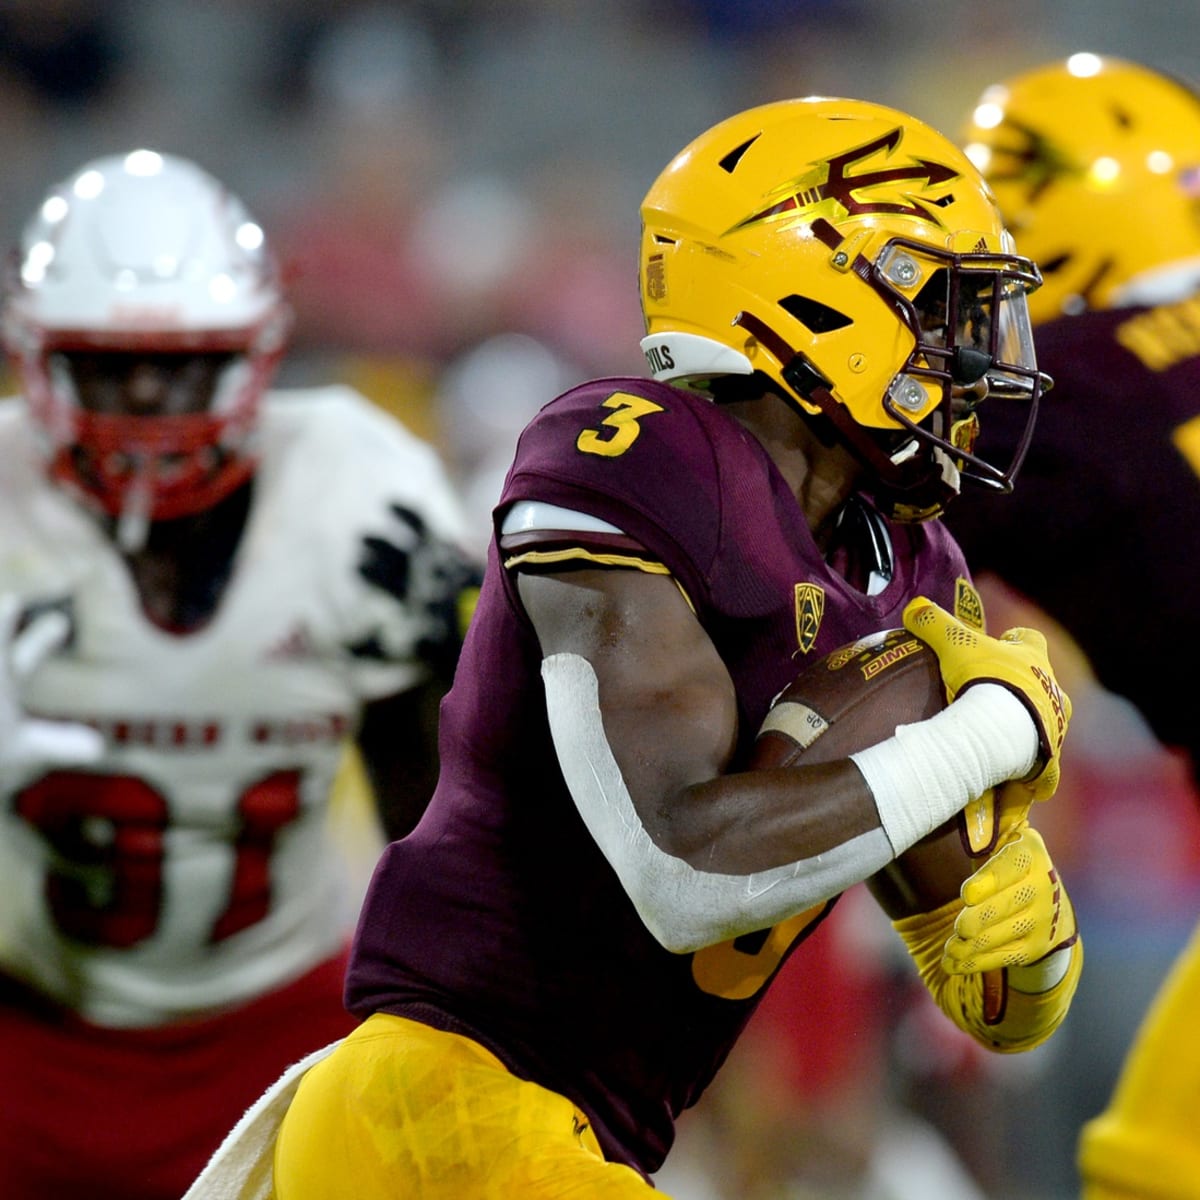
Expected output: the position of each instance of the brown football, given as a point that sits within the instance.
(851, 699)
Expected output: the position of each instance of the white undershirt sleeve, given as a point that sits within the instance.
(684, 908)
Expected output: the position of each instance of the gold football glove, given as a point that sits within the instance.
(1004, 959)
(1016, 660)
(991, 819)
(1016, 912)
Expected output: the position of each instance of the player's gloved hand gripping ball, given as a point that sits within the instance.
(1017, 660)
(1017, 911)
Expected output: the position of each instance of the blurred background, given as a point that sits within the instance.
(452, 187)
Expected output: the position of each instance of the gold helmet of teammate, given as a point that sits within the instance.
(850, 258)
(1095, 163)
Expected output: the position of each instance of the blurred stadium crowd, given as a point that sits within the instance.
(452, 187)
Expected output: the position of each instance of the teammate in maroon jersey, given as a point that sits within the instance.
(557, 960)
(1096, 163)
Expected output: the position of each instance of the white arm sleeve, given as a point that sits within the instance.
(685, 909)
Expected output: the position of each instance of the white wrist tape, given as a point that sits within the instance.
(928, 771)
(684, 908)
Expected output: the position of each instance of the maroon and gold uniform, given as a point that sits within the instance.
(499, 918)
(557, 960)
(1094, 161)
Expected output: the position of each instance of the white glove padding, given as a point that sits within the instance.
(28, 741)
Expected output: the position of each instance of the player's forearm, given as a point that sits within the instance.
(739, 853)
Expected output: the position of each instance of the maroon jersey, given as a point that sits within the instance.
(1102, 529)
(498, 916)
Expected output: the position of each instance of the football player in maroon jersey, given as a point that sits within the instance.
(556, 961)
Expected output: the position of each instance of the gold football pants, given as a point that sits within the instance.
(401, 1109)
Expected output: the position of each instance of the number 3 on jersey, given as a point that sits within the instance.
(619, 430)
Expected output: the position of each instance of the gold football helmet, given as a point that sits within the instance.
(850, 258)
(1095, 163)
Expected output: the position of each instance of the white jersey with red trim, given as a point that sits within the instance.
(192, 867)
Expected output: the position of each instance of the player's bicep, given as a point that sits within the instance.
(643, 717)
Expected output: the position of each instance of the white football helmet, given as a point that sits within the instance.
(145, 255)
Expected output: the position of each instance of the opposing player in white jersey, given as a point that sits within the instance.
(206, 589)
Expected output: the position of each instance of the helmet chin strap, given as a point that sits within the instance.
(809, 384)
